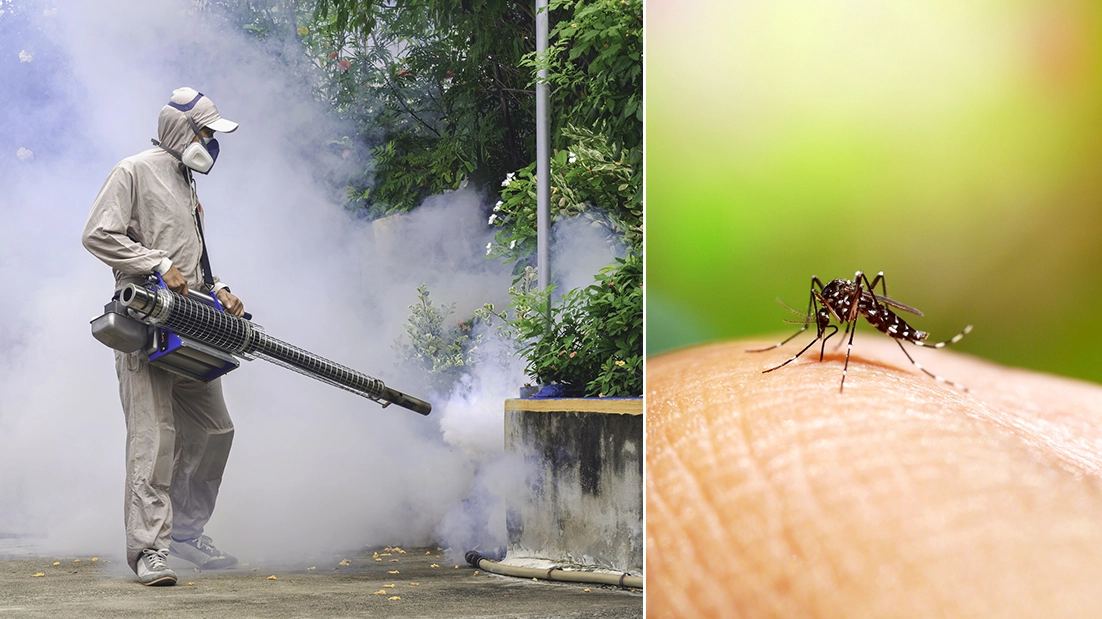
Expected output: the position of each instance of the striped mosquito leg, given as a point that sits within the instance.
(779, 344)
(928, 372)
(956, 338)
(849, 349)
(796, 356)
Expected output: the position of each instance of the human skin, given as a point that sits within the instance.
(774, 495)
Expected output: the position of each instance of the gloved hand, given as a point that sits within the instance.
(230, 302)
(175, 280)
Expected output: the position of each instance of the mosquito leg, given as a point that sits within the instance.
(849, 349)
(843, 340)
(807, 318)
(781, 343)
(797, 356)
(879, 279)
(928, 372)
(956, 338)
(823, 349)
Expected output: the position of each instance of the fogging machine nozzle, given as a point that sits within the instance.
(192, 335)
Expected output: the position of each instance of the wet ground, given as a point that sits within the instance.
(380, 582)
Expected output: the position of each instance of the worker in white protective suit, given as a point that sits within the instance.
(147, 219)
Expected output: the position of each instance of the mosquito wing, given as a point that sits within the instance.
(895, 304)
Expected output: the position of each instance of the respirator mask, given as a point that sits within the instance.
(200, 156)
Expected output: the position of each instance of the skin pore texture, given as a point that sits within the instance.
(773, 495)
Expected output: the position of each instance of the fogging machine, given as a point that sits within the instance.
(195, 337)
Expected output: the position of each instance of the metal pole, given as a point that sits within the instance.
(543, 155)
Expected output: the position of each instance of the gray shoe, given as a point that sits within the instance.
(152, 569)
(201, 552)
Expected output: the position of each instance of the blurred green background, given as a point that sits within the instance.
(954, 145)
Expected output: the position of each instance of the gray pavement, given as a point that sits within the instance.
(377, 582)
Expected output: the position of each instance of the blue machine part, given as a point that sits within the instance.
(186, 356)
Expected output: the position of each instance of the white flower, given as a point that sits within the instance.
(489, 246)
(572, 158)
(24, 154)
(508, 179)
(492, 218)
(497, 207)
(24, 56)
(512, 244)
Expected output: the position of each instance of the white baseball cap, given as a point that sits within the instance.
(201, 109)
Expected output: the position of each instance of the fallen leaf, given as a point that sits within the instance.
(272, 577)
(311, 568)
(346, 562)
(586, 590)
(191, 584)
(388, 586)
(385, 554)
(392, 572)
(434, 565)
(394, 598)
(394, 561)
(95, 559)
(378, 560)
(427, 553)
(76, 560)
(476, 572)
(380, 592)
(38, 575)
(457, 567)
(414, 584)
(57, 562)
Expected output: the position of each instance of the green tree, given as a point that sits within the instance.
(437, 88)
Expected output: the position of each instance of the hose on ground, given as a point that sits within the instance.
(623, 580)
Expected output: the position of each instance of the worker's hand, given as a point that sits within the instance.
(175, 280)
(230, 302)
(773, 495)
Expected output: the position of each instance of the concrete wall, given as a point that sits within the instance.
(584, 490)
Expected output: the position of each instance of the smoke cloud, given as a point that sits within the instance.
(313, 469)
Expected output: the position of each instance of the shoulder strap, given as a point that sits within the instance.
(204, 260)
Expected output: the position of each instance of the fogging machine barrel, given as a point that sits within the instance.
(207, 324)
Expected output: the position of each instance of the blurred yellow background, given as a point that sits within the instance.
(954, 145)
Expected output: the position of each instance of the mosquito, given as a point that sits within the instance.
(845, 301)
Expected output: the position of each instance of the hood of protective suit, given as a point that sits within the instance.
(174, 131)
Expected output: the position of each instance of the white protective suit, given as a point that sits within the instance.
(178, 431)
